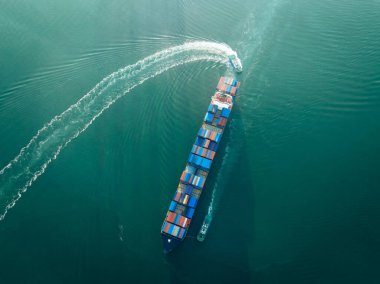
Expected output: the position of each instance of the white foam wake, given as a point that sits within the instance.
(214, 197)
(20, 173)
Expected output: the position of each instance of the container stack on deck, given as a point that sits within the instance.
(193, 178)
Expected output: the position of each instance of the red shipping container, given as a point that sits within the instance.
(171, 216)
(182, 221)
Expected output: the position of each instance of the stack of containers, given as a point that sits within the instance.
(193, 178)
(228, 85)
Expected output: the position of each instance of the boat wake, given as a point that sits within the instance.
(217, 192)
(253, 34)
(45, 146)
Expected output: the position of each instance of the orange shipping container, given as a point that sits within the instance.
(183, 175)
(207, 143)
(167, 227)
(233, 91)
(212, 155)
(175, 231)
(213, 135)
(185, 199)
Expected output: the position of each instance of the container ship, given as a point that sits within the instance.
(193, 178)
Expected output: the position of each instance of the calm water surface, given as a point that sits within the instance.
(296, 181)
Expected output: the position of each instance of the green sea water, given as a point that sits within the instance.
(294, 190)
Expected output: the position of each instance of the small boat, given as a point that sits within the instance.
(235, 62)
(203, 231)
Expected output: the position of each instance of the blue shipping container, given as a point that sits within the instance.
(225, 112)
(172, 206)
(190, 213)
(189, 189)
(206, 163)
(193, 202)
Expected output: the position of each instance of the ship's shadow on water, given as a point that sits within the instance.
(224, 255)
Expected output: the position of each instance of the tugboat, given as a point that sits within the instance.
(235, 62)
(203, 231)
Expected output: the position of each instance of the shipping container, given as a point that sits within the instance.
(225, 112)
(193, 178)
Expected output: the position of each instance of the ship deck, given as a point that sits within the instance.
(191, 185)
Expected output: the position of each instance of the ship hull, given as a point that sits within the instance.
(198, 165)
(169, 243)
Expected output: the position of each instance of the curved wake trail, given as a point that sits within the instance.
(20, 173)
